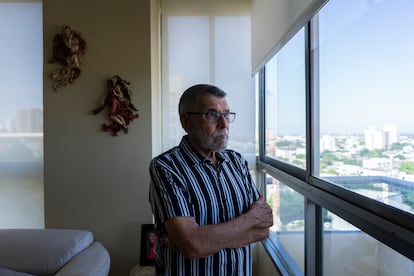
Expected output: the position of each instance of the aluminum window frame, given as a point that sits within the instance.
(387, 224)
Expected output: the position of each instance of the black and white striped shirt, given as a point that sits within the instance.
(183, 183)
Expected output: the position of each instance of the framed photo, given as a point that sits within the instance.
(149, 241)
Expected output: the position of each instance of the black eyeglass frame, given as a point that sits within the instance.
(215, 115)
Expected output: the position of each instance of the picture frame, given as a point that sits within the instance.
(149, 240)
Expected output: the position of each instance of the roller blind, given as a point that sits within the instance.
(21, 114)
(208, 41)
(274, 22)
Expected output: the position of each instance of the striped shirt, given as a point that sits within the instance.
(183, 183)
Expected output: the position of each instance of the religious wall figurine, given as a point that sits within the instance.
(68, 50)
(118, 100)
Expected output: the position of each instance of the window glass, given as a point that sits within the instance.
(21, 115)
(285, 104)
(349, 251)
(288, 221)
(366, 96)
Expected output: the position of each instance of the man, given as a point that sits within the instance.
(206, 207)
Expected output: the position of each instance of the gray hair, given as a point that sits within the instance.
(189, 96)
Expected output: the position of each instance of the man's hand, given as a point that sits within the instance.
(262, 213)
(260, 217)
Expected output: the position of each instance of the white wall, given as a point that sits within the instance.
(93, 180)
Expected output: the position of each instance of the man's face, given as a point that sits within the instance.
(207, 136)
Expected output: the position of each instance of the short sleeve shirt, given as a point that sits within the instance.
(183, 183)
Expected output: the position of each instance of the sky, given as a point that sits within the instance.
(367, 64)
(366, 69)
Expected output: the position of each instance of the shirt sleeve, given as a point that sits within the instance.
(168, 194)
(254, 192)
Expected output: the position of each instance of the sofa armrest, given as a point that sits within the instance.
(41, 251)
(9, 272)
(93, 261)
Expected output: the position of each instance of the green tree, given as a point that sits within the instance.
(325, 216)
(376, 153)
(396, 146)
(353, 162)
(329, 156)
(407, 167)
(283, 143)
(372, 153)
(332, 171)
(400, 156)
(408, 198)
(300, 156)
(291, 206)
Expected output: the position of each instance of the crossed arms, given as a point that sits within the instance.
(194, 241)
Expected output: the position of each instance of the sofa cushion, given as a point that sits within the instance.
(41, 251)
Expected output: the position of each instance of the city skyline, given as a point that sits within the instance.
(29, 120)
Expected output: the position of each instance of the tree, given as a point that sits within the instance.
(407, 167)
(408, 198)
(291, 206)
(326, 217)
(396, 146)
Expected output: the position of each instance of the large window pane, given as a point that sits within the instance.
(21, 115)
(285, 99)
(349, 251)
(289, 220)
(366, 95)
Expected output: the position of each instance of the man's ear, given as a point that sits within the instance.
(185, 121)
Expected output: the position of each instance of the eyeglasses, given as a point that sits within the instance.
(214, 116)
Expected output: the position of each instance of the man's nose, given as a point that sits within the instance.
(222, 121)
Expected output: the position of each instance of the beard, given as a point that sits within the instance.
(214, 143)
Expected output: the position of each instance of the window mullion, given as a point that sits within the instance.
(313, 239)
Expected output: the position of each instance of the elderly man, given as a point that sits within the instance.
(206, 206)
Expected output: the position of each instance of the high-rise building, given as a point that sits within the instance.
(328, 143)
(379, 138)
(29, 120)
(374, 138)
(391, 134)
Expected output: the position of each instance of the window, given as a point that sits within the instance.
(366, 137)
(289, 220)
(335, 129)
(285, 100)
(349, 251)
(21, 115)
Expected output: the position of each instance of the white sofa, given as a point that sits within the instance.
(60, 252)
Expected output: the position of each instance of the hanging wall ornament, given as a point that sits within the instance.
(118, 100)
(68, 51)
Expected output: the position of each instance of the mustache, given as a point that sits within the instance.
(221, 132)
